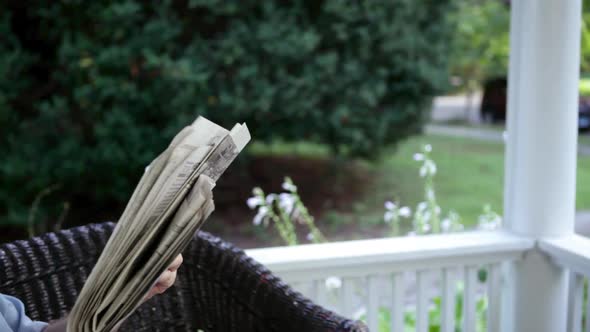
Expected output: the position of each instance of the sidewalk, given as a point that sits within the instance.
(483, 134)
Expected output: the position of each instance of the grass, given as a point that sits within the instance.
(302, 149)
(470, 174)
(584, 139)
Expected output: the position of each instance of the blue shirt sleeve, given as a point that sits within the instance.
(13, 318)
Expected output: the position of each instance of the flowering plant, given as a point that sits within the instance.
(427, 215)
(284, 210)
(393, 213)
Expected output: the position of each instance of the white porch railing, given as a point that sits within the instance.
(404, 275)
(573, 253)
(397, 276)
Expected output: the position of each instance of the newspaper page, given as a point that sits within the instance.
(171, 201)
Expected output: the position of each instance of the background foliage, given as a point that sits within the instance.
(90, 92)
(585, 56)
(480, 42)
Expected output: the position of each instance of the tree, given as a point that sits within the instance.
(480, 43)
(95, 89)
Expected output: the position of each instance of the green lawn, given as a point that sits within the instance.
(584, 139)
(470, 174)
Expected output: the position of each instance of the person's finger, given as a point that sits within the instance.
(153, 291)
(166, 280)
(176, 263)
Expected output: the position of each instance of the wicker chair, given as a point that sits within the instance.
(218, 288)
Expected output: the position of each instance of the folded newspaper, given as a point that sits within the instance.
(171, 201)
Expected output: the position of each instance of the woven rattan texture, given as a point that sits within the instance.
(218, 288)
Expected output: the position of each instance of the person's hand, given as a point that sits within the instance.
(166, 280)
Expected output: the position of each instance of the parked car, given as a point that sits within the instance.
(584, 114)
(493, 104)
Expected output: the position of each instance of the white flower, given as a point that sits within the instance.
(259, 217)
(423, 171)
(286, 202)
(430, 194)
(295, 216)
(411, 233)
(418, 156)
(253, 202)
(487, 226)
(426, 228)
(489, 223)
(437, 210)
(497, 221)
(427, 147)
(389, 205)
(359, 313)
(270, 198)
(430, 167)
(427, 215)
(333, 283)
(405, 212)
(422, 206)
(481, 219)
(289, 186)
(310, 237)
(388, 216)
(445, 224)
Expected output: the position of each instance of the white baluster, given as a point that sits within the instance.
(297, 286)
(322, 293)
(314, 290)
(576, 293)
(494, 297)
(448, 293)
(373, 305)
(348, 299)
(422, 301)
(588, 307)
(469, 300)
(398, 303)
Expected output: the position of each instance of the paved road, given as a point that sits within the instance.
(483, 134)
(447, 109)
(453, 108)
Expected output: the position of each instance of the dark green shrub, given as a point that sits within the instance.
(91, 91)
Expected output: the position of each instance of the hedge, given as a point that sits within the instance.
(91, 91)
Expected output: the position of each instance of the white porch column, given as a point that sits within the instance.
(541, 154)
